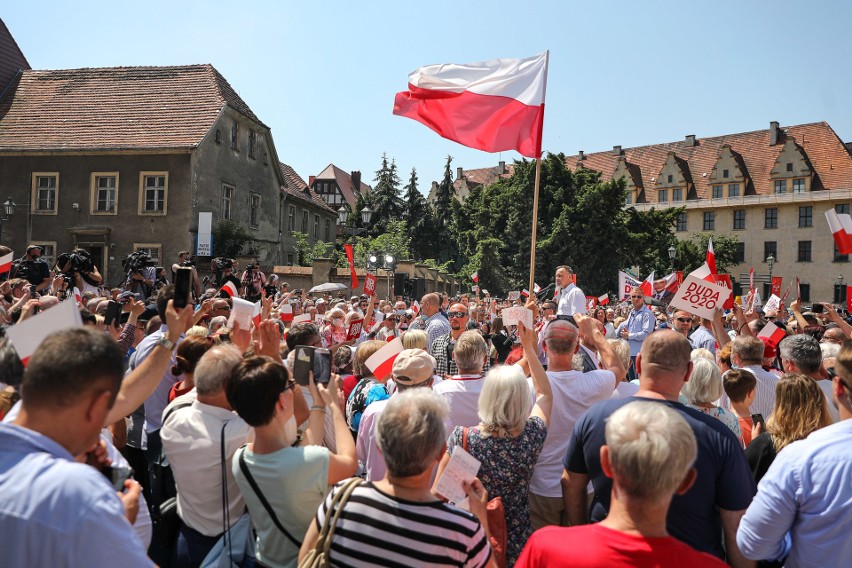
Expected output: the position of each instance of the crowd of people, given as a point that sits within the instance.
(630, 435)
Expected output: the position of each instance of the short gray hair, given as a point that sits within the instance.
(411, 432)
(504, 402)
(622, 351)
(804, 351)
(829, 350)
(214, 369)
(651, 449)
(705, 382)
(470, 351)
(415, 339)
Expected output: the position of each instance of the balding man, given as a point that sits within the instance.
(724, 486)
(802, 354)
(442, 348)
(747, 353)
(435, 324)
(681, 322)
(573, 393)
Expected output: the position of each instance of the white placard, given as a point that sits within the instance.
(700, 297)
(511, 316)
(204, 244)
(772, 304)
(461, 467)
(514, 295)
(242, 312)
(27, 335)
(302, 317)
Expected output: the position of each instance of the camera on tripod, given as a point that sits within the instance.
(136, 262)
(78, 260)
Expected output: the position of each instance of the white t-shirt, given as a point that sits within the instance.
(462, 394)
(573, 393)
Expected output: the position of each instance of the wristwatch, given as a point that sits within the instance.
(167, 343)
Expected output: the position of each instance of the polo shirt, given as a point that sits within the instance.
(724, 479)
(57, 512)
(462, 394)
(764, 396)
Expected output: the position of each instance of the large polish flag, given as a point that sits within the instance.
(647, 286)
(381, 362)
(711, 257)
(841, 229)
(230, 289)
(26, 336)
(491, 105)
(772, 333)
(6, 263)
(703, 272)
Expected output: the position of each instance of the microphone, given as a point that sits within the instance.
(546, 292)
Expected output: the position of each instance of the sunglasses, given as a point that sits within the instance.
(637, 297)
(684, 320)
(457, 314)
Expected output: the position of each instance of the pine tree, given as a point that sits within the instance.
(444, 196)
(419, 219)
(386, 201)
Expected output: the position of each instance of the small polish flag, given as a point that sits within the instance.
(415, 307)
(286, 312)
(258, 309)
(772, 333)
(647, 286)
(840, 225)
(475, 276)
(603, 300)
(536, 288)
(6, 263)
(525, 293)
(230, 289)
(703, 273)
(591, 302)
(381, 362)
(27, 335)
(711, 257)
(77, 295)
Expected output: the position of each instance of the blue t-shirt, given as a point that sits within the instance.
(724, 479)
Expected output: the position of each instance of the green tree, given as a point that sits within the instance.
(386, 202)
(307, 252)
(692, 253)
(419, 219)
(651, 235)
(444, 196)
(230, 239)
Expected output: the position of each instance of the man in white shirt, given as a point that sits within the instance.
(571, 299)
(461, 391)
(573, 393)
(747, 353)
(802, 354)
(191, 436)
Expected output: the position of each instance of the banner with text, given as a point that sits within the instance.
(700, 297)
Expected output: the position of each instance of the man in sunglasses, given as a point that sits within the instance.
(639, 325)
(442, 348)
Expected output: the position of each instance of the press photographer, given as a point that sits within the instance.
(79, 270)
(187, 260)
(32, 268)
(141, 274)
(253, 281)
(223, 271)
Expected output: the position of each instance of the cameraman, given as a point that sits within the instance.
(80, 267)
(227, 266)
(32, 268)
(253, 281)
(185, 260)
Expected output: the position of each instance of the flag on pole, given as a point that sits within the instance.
(536, 288)
(350, 256)
(6, 263)
(491, 105)
(711, 257)
(840, 225)
(648, 285)
(751, 279)
(603, 300)
(381, 362)
(230, 289)
(77, 295)
(591, 302)
(475, 276)
(703, 272)
(525, 293)
(27, 335)
(415, 307)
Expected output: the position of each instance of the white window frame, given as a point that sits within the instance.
(93, 193)
(151, 247)
(229, 200)
(254, 211)
(143, 189)
(34, 194)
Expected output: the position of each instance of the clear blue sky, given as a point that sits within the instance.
(323, 74)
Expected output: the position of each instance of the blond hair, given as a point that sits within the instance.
(800, 409)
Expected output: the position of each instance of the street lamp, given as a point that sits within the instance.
(8, 210)
(343, 217)
(770, 260)
(672, 255)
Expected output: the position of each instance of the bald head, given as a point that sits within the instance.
(560, 338)
(665, 354)
(430, 304)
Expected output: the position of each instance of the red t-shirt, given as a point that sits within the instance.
(349, 384)
(175, 392)
(595, 545)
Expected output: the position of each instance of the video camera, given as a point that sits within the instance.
(221, 263)
(189, 262)
(78, 260)
(136, 262)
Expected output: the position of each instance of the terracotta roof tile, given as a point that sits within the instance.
(114, 108)
(484, 176)
(828, 155)
(344, 182)
(12, 59)
(294, 185)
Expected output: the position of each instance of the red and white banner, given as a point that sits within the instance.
(525, 293)
(776, 285)
(626, 283)
(591, 302)
(230, 289)
(350, 256)
(475, 276)
(672, 283)
(725, 280)
(840, 225)
(27, 335)
(700, 297)
(6, 263)
(703, 272)
(711, 257)
(354, 331)
(603, 300)
(381, 362)
(491, 105)
(648, 285)
(415, 307)
(370, 284)
(772, 333)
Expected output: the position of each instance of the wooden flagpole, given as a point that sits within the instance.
(534, 225)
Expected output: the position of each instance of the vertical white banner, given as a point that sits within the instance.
(204, 244)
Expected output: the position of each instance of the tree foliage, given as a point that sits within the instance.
(307, 252)
(230, 239)
(385, 200)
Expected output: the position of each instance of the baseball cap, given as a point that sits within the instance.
(769, 350)
(412, 367)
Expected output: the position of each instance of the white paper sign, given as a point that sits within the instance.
(772, 304)
(757, 301)
(700, 297)
(303, 317)
(242, 312)
(514, 295)
(511, 316)
(27, 335)
(461, 467)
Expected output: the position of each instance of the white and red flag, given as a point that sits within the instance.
(6, 263)
(27, 335)
(603, 300)
(230, 289)
(536, 288)
(525, 293)
(772, 333)
(647, 286)
(381, 362)
(841, 229)
(285, 312)
(491, 105)
(711, 257)
(77, 295)
(415, 307)
(672, 283)
(703, 272)
(475, 276)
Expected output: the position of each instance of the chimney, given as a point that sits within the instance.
(502, 165)
(690, 139)
(356, 181)
(616, 150)
(773, 133)
(459, 172)
(581, 156)
(311, 180)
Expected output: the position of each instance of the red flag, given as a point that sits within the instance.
(841, 229)
(370, 284)
(679, 274)
(798, 290)
(849, 299)
(350, 255)
(647, 286)
(725, 280)
(751, 279)
(381, 362)
(711, 257)
(230, 289)
(787, 293)
(776, 285)
(603, 300)
(492, 105)
(6, 263)
(772, 333)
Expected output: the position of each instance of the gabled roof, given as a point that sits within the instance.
(12, 59)
(344, 182)
(828, 155)
(294, 185)
(114, 108)
(484, 176)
